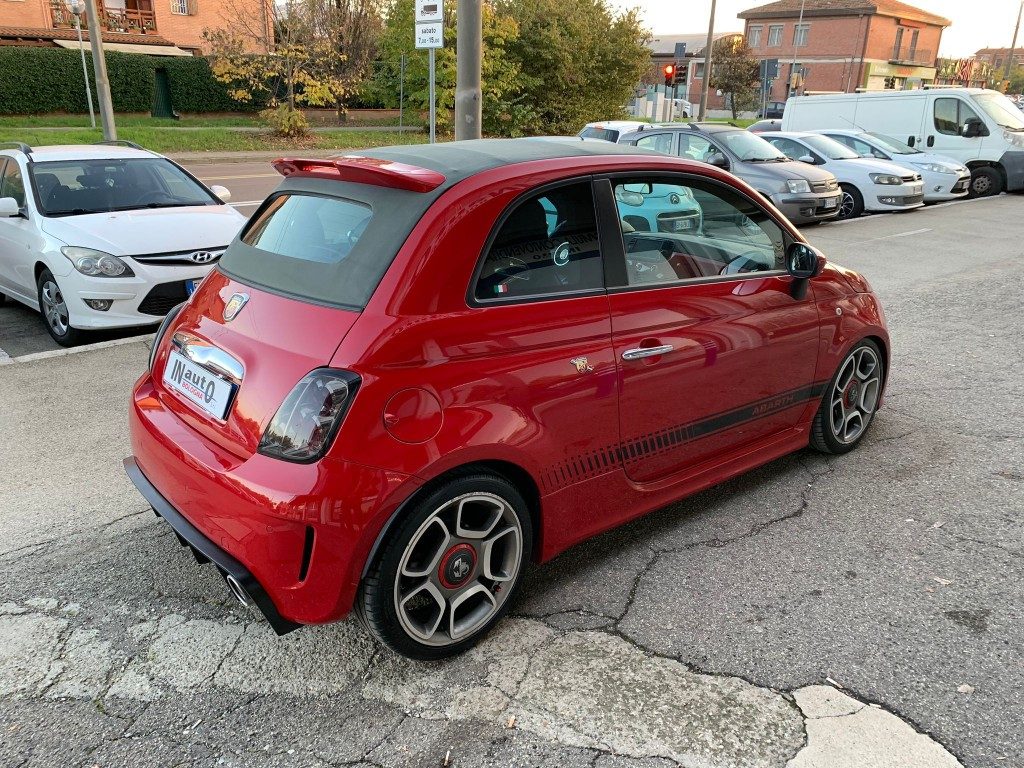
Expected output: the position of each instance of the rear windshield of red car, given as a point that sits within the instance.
(328, 242)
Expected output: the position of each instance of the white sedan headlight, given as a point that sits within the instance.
(885, 178)
(936, 167)
(798, 185)
(96, 263)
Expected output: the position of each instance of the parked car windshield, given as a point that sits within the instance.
(750, 148)
(76, 187)
(890, 144)
(1002, 110)
(830, 148)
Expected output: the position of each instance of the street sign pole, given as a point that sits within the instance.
(430, 35)
(99, 68)
(433, 101)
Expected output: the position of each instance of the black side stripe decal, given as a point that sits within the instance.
(577, 468)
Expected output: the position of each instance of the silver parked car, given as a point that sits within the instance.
(802, 192)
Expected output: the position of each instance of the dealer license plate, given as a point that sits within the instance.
(207, 391)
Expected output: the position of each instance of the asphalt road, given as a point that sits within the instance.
(688, 638)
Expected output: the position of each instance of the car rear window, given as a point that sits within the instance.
(324, 241)
(605, 134)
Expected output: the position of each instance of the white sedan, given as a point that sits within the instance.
(944, 179)
(867, 184)
(105, 236)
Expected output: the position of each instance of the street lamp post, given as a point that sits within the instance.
(77, 6)
(99, 68)
(1013, 45)
(705, 82)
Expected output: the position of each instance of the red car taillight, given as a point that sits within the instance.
(305, 424)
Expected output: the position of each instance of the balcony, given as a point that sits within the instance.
(915, 56)
(128, 21)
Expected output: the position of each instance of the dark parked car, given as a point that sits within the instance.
(773, 109)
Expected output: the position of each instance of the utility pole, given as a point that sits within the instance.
(792, 66)
(76, 9)
(707, 65)
(99, 67)
(468, 63)
(1013, 45)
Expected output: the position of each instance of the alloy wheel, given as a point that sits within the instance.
(854, 395)
(55, 310)
(847, 205)
(458, 569)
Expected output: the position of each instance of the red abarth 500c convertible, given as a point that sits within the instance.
(416, 369)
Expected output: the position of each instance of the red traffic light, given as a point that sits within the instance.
(669, 70)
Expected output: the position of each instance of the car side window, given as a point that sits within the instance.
(547, 245)
(951, 115)
(13, 184)
(675, 230)
(659, 142)
(788, 147)
(696, 148)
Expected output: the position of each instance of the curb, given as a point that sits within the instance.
(34, 356)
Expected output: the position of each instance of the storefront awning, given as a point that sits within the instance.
(149, 50)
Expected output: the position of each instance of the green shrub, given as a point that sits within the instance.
(41, 80)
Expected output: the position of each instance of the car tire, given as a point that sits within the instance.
(435, 562)
(850, 400)
(985, 182)
(851, 205)
(54, 310)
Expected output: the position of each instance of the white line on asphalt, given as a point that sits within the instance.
(904, 234)
(75, 350)
(4, 357)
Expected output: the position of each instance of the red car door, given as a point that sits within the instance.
(714, 352)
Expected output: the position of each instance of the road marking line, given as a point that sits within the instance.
(30, 358)
(245, 176)
(904, 234)
(4, 357)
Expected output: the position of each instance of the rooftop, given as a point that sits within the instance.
(56, 152)
(665, 45)
(812, 8)
(458, 160)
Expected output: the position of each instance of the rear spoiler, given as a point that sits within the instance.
(363, 170)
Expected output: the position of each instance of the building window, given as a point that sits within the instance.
(913, 44)
(896, 46)
(754, 36)
(800, 32)
(774, 35)
(183, 7)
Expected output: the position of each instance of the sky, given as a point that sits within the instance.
(977, 24)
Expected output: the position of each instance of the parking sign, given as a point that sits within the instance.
(430, 35)
(429, 11)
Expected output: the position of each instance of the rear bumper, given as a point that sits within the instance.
(300, 532)
(206, 551)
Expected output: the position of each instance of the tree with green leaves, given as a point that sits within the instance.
(549, 66)
(503, 111)
(734, 72)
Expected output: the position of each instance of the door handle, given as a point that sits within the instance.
(931, 141)
(641, 352)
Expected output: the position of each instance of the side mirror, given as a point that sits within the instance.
(719, 160)
(9, 208)
(223, 193)
(804, 261)
(806, 159)
(973, 128)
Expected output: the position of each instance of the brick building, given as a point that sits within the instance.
(158, 27)
(997, 57)
(663, 49)
(845, 45)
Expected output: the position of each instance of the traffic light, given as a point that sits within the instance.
(669, 70)
(680, 76)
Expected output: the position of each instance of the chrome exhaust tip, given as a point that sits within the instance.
(237, 590)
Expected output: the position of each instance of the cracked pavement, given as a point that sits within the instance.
(711, 633)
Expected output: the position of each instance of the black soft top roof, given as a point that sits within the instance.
(458, 160)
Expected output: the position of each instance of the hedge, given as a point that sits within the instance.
(42, 80)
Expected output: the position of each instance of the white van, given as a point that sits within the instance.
(977, 127)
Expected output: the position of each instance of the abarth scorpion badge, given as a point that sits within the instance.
(582, 365)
